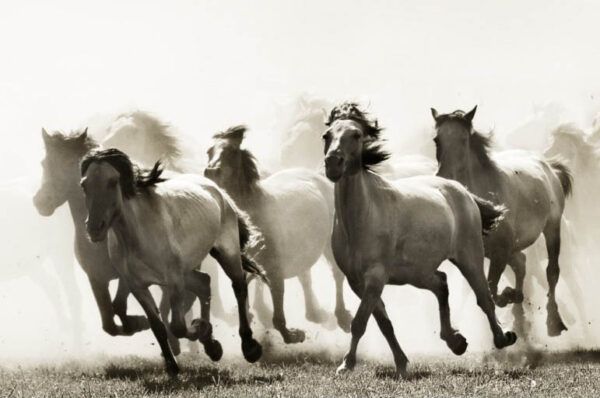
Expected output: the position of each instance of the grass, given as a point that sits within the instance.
(312, 374)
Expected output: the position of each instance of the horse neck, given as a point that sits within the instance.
(76, 201)
(126, 224)
(245, 195)
(477, 176)
(353, 200)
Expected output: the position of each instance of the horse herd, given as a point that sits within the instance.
(156, 225)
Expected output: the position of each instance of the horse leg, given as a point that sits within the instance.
(232, 265)
(437, 284)
(262, 310)
(385, 325)
(164, 308)
(554, 323)
(344, 317)
(372, 287)
(65, 268)
(131, 323)
(472, 270)
(515, 296)
(497, 267)
(199, 283)
(102, 297)
(290, 336)
(145, 299)
(314, 312)
(210, 267)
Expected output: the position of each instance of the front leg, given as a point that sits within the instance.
(102, 297)
(374, 280)
(131, 323)
(145, 299)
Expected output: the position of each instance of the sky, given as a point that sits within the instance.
(205, 65)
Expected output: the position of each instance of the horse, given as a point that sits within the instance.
(532, 189)
(34, 242)
(158, 231)
(60, 184)
(399, 232)
(300, 145)
(288, 207)
(145, 138)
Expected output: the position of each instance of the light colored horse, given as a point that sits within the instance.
(60, 184)
(291, 208)
(400, 232)
(158, 232)
(532, 189)
(32, 243)
(145, 138)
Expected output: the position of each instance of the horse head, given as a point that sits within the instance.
(60, 169)
(351, 142)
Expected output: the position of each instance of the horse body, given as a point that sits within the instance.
(532, 189)
(290, 207)
(400, 232)
(158, 232)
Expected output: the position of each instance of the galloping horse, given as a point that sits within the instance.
(400, 232)
(60, 184)
(290, 207)
(532, 189)
(145, 138)
(158, 232)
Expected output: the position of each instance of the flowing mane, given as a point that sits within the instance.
(159, 133)
(248, 170)
(132, 178)
(480, 143)
(373, 152)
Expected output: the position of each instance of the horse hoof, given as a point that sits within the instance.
(213, 349)
(457, 343)
(501, 301)
(511, 295)
(252, 350)
(347, 366)
(294, 336)
(555, 328)
(505, 340)
(175, 347)
(203, 330)
(172, 369)
(344, 319)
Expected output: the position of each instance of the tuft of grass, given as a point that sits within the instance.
(311, 373)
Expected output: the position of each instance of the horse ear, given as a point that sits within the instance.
(84, 134)
(45, 135)
(435, 114)
(471, 114)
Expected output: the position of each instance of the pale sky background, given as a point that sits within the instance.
(206, 65)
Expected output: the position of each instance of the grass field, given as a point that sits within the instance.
(312, 374)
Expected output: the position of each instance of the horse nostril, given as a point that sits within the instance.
(333, 160)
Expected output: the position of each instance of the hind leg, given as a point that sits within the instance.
(314, 312)
(554, 323)
(497, 266)
(199, 283)
(231, 262)
(344, 317)
(260, 307)
(290, 336)
(437, 284)
(471, 266)
(518, 263)
(210, 267)
(164, 308)
(131, 323)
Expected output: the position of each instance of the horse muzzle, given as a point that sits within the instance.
(41, 204)
(334, 167)
(212, 172)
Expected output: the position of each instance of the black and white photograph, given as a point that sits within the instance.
(285, 198)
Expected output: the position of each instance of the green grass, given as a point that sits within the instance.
(312, 374)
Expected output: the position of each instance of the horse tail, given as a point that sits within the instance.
(491, 214)
(564, 174)
(249, 237)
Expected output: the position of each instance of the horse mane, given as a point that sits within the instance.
(132, 178)
(161, 133)
(479, 143)
(372, 152)
(249, 173)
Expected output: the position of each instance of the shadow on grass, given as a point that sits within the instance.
(390, 373)
(533, 358)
